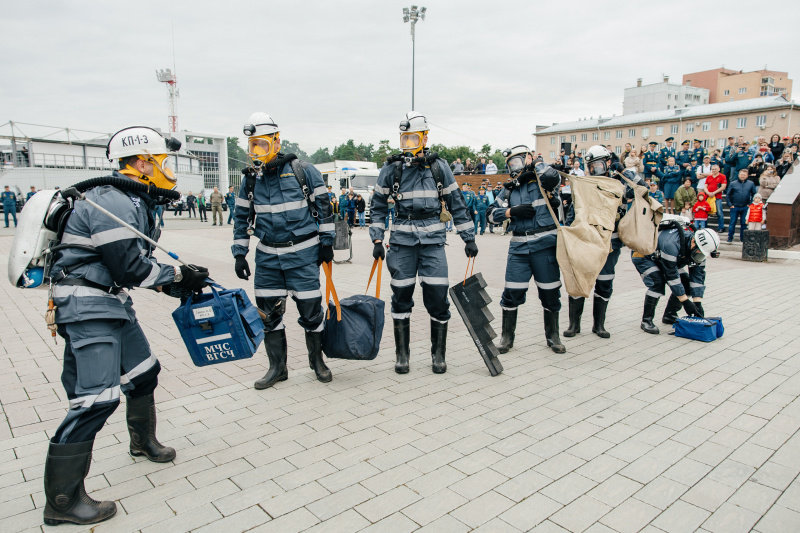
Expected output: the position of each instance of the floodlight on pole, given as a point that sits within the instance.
(412, 15)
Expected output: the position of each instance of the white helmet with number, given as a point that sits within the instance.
(597, 152)
(258, 124)
(139, 140)
(707, 241)
(413, 122)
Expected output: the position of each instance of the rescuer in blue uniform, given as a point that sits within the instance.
(106, 351)
(684, 157)
(699, 152)
(671, 177)
(481, 205)
(666, 152)
(650, 160)
(230, 199)
(295, 229)
(532, 251)
(599, 160)
(678, 262)
(419, 182)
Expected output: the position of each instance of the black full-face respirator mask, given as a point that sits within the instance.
(598, 167)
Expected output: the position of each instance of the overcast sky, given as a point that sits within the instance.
(487, 72)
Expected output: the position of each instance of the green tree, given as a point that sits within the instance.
(288, 147)
(350, 152)
(383, 151)
(322, 155)
(485, 151)
(237, 157)
(499, 160)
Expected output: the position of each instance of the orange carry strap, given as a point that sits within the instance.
(331, 290)
(378, 263)
(468, 269)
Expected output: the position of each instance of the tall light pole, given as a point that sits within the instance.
(412, 15)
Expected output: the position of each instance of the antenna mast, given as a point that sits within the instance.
(170, 77)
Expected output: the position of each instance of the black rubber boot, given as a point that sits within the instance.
(275, 343)
(509, 327)
(402, 335)
(551, 331)
(650, 304)
(438, 346)
(66, 467)
(671, 312)
(599, 316)
(315, 362)
(575, 312)
(141, 416)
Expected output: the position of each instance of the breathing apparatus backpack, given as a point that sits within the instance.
(41, 227)
(432, 159)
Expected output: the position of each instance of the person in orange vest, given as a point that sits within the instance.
(756, 216)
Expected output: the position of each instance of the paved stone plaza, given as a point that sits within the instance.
(633, 433)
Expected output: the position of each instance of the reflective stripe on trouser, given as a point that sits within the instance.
(429, 262)
(102, 357)
(543, 268)
(604, 285)
(652, 276)
(273, 285)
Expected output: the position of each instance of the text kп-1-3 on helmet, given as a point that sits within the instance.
(597, 158)
(706, 242)
(517, 159)
(263, 137)
(413, 129)
(151, 147)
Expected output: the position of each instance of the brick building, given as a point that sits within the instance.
(712, 123)
(725, 85)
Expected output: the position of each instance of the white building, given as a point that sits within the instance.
(662, 96)
(46, 157)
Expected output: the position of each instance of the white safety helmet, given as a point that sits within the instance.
(412, 122)
(707, 241)
(259, 124)
(516, 158)
(139, 140)
(597, 158)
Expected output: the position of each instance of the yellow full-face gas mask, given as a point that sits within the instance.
(163, 171)
(264, 148)
(412, 141)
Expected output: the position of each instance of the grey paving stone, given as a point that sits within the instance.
(681, 517)
(386, 504)
(580, 514)
(779, 519)
(731, 519)
(482, 509)
(530, 512)
(630, 516)
(434, 506)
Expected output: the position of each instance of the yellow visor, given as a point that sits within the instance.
(263, 148)
(411, 142)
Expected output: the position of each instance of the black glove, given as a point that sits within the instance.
(325, 254)
(471, 249)
(242, 268)
(176, 292)
(616, 166)
(378, 251)
(194, 279)
(700, 310)
(554, 202)
(523, 211)
(690, 308)
(548, 176)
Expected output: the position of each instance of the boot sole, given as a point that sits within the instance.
(439, 370)
(401, 370)
(656, 332)
(325, 380)
(504, 349)
(262, 387)
(152, 459)
(567, 333)
(57, 521)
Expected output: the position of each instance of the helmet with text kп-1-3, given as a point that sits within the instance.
(263, 138)
(706, 243)
(517, 159)
(413, 132)
(144, 155)
(597, 160)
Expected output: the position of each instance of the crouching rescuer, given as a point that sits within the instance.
(532, 251)
(679, 262)
(106, 351)
(284, 203)
(424, 190)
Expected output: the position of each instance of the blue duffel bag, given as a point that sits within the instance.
(696, 328)
(219, 326)
(354, 325)
(718, 322)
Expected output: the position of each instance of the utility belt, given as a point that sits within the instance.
(304, 238)
(417, 216)
(536, 231)
(76, 282)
